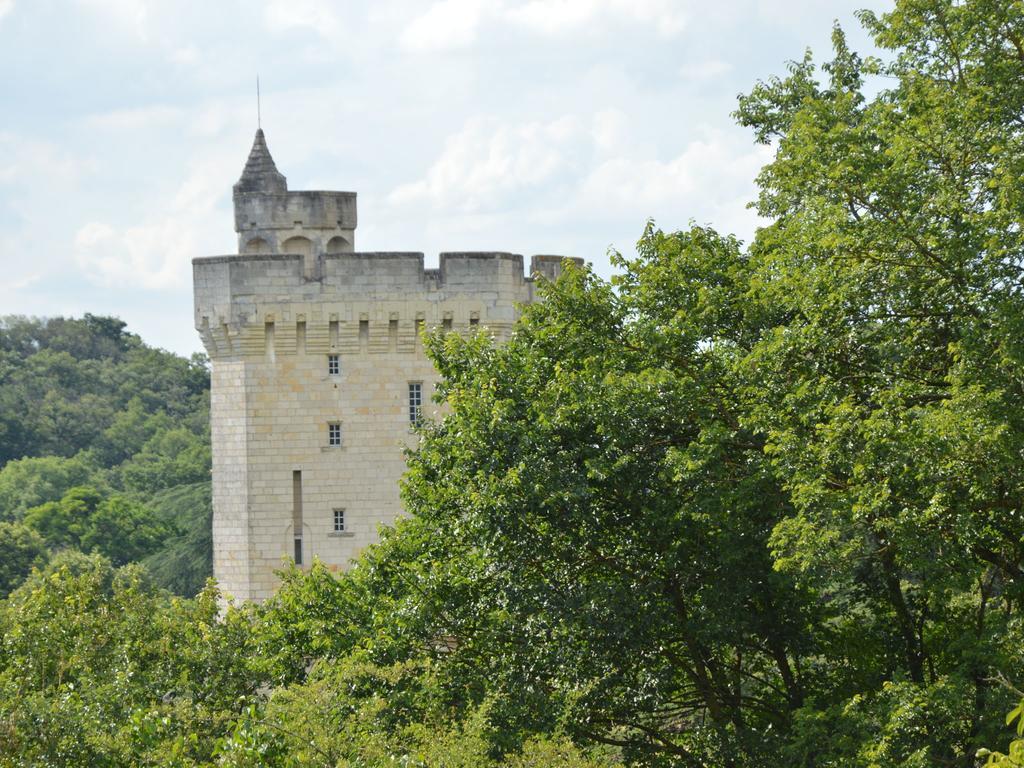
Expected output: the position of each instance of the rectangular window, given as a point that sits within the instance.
(334, 433)
(333, 365)
(446, 324)
(415, 402)
(339, 521)
(474, 321)
(298, 550)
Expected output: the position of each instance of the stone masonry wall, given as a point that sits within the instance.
(269, 327)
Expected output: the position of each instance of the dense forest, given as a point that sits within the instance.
(104, 447)
(739, 506)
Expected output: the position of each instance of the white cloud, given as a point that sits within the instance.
(449, 24)
(132, 15)
(157, 254)
(609, 130)
(31, 163)
(561, 16)
(711, 180)
(487, 160)
(186, 55)
(446, 24)
(6, 6)
(134, 119)
(700, 71)
(319, 16)
(570, 170)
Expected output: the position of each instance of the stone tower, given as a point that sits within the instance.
(318, 371)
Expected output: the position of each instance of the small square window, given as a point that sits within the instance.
(415, 402)
(333, 365)
(339, 521)
(334, 433)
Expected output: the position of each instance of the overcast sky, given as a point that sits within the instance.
(532, 126)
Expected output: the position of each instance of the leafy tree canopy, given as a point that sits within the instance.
(86, 405)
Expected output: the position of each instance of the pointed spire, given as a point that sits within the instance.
(260, 174)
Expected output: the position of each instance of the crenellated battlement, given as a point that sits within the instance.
(239, 292)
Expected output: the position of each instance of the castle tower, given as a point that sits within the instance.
(270, 219)
(318, 371)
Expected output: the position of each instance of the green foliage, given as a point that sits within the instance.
(67, 385)
(29, 482)
(1015, 757)
(21, 550)
(118, 527)
(84, 404)
(594, 518)
(172, 457)
(185, 559)
(98, 668)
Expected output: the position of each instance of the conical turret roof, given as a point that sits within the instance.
(260, 174)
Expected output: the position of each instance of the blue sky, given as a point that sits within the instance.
(532, 126)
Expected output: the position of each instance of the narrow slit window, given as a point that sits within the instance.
(334, 433)
(300, 337)
(298, 550)
(297, 501)
(333, 365)
(268, 340)
(332, 333)
(339, 520)
(415, 402)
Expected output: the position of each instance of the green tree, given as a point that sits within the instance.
(184, 561)
(64, 381)
(813, 446)
(890, 395)
(124, 530)
(21, 550)
(85, 404)
(99, 668)
(121, 528)
(1014, 758)
(29, 482)
(594, 517)
(64, 523)
(171, 457)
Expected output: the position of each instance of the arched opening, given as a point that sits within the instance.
(257, 245)
(338, 244)
(300, 245)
